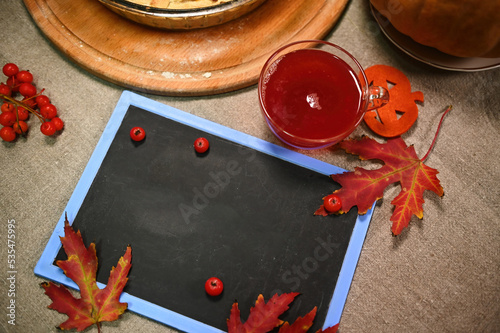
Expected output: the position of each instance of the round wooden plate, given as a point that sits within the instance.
(180, 63)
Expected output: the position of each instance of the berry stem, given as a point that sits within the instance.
(437, 132)
(18, 103)
(17, 122)
(35, 95)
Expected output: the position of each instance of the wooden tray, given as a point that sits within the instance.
(179, 63)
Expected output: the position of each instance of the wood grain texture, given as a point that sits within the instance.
(180, 63)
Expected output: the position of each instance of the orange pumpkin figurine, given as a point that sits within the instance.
(400, 113)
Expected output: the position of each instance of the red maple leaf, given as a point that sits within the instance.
(362, 187)
(95, 305)
(401, 165)
(332, 329)
(264, 317)
(302, 325)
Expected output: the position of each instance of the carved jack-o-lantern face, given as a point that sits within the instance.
(401, 112)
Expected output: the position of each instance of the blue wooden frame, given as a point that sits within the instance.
(46, 269)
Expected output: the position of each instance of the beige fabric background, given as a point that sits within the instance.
(440, 275)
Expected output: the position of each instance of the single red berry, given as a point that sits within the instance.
(13, 83)
(27, 89)
(10, 69)
(29, 102)
(7, 107)
(137, 133)
(214, 286)
(24, 76)
(7, 134)
(42, 100)
(22, 113)
(7, 118)
(201, 145)
(58, 123)
(48, 128)
(5, 89)
(332, 203)
(20, 127)
(48, 111)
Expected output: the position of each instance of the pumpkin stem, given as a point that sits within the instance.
(436, 135)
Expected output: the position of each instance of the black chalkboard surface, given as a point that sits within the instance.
(243, 212)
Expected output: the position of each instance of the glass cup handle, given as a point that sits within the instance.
(377, 97)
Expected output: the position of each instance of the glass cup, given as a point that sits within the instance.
(313, 94)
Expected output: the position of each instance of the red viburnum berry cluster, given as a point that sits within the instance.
(15, 113)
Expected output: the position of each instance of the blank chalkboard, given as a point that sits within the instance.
(243, 211)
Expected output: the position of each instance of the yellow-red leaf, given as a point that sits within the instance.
(301, 324)
(81, 265)
(95, 305)
(332, 329)
(108, 299)
(401, 165)
(264, 316)
(79, 312)
(234, 324)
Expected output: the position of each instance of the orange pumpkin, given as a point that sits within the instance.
(401, 112)
(463, 28)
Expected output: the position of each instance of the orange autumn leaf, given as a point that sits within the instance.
(401, 165)
(332, 329)
(264, 317)
(301, 324)
(400, 113)
(95, 305)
